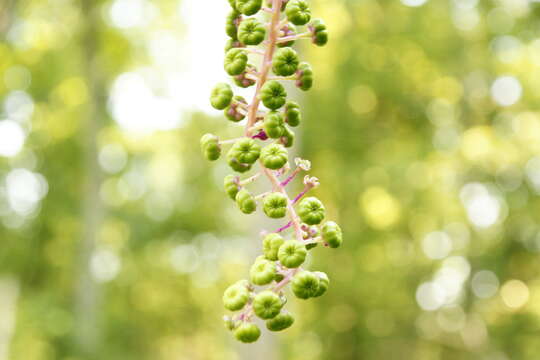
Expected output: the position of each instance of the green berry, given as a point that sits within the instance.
(248, 7)
(274, 125)
(229, 323)
(293, 116)
(235, 297)
(245, 150)
(267, 304)
(305, 284)
(275, 205)
(311, 210)
(285, 62)
(331, 234)
(230, 183)
(221, 96)
(237, 165)
(292, 253)
(247, 332)
(287, 139)
(281, 322)
(278, 277)
(271, 244)
(274, 156)
(231, 112)
(323, 283)
(210, 147)
(273, 95)
(246, 202)
(251, 32)
(242, 80)
(231, 24)
(235, 61)
(287, 30)
(233, 4)
(298, 12)
(311, 246)
(262, 272)
(304, 76)
(319, 33)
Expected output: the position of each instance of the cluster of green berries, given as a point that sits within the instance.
(268, 134)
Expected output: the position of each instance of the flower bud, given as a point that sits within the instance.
(298, 12)
(285, 62)
(292, 253)
(231, 24)
(319, 34)
(251, 32)
(245, 150)
(273, 95)
(248, 7)
(221, 96)
(262, 272)
(324, 282)
(292, 113)
(311, 210)
(274, 156)
(275, 205)
(331, 234)
(304, 76)
(235, 297)
(230, 183)
(267, 304)
(287, 30)
(245, 201)
(271, 244)
(231, 112)
(305, 284)
(235, 61)
(281, 322)
(210, 147)
(247, 332)
(274, 126)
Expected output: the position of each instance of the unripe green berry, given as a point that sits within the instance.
(233, 4)
(262, 272)
(267, 304)
(248, 7)
(247, 332)
(210, 147)
(235, 61)
(287, 139)
(311, 210)
(221, 96)
(324, 282)
(242, 80)
(246, 202)
(287, 30)
(319, 33)
(293, 116)
(231, 112)
(273, 95)
(331, 234)
(285, 62)
(235, 297)
(251, 32)
(304, 76)
(229, 323)
(292, 253)
(274, 125)
(237, 165)
(305, 284)
(275, 205)
(311, 246)
(298, 12)
(245, 150)
(281, 322)
(271, 244)
(230, 183)
(278, 277)
(231, 24)
(274, 156)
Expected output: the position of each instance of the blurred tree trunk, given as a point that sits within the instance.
(87, 297)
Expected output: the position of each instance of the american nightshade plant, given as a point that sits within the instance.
(267, 29)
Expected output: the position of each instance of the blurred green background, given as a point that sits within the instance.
(117, 239)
